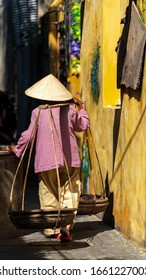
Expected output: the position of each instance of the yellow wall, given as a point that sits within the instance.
(119, 134)
(110, 19)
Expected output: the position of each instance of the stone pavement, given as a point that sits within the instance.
(92, 240)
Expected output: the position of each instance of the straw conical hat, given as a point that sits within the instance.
(49, 88)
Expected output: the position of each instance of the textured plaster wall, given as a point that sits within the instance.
(119, 134)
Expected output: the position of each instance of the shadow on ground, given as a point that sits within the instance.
(36, 246)
(88, 229)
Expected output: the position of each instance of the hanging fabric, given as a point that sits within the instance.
(131, 50)
(85, 168)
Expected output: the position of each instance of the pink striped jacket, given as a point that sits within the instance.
(66, 121)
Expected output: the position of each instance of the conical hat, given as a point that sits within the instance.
(49, 88)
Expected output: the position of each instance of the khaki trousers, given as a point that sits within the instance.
(48, 192)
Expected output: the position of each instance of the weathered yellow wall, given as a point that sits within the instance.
(119, 134)
(92, 33)
(111, 95)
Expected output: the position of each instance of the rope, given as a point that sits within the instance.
(29, 158)
(52, 123)
(57, 171)
(15, 176)
(101, 176)
(19, 164)
(66, 165)
(103, 189)
(98, 164)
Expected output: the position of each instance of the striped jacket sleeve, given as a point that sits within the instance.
(26, 136)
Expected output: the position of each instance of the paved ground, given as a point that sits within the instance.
(92, 240)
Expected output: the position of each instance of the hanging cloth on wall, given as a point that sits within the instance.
(132, 68)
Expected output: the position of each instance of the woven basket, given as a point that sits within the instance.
(41, 219)
(89, 205)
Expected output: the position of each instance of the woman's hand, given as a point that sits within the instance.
(10, 148)
(78, 103)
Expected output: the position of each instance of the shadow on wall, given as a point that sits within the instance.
(108, 217)
(116, 132)
(128, 145)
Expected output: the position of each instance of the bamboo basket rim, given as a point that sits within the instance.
(95, 199)
(41, 211)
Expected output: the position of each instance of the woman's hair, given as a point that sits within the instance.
(57, 102)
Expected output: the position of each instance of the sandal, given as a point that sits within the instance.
(64, 235)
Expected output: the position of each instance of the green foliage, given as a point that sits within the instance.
(95, 74)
